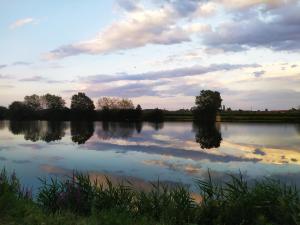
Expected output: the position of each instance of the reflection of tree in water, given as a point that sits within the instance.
(298, 127)
(138, 127)
(208, 135)
(38, 130)
(55, 131)
(81, 131)
(117, 130)
(2, 124)
(157, 126)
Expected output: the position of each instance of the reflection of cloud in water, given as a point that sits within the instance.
(169, 150)
(187, 168)
(20, 161)
(2, 158)
(33, 146)
(135, 182)
(267, 155)
(258, 152)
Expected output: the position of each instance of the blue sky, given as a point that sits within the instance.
(159, 53)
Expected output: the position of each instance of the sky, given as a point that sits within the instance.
(159, 53)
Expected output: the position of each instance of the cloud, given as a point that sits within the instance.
(21, 63)
(128, 5)
(21, 22)
(34, 78)
(6, 86)
(128, 90)
(3, 66)
(272, 28)
(173, 73)
(259, 73)
(139, 28)
(39, 79)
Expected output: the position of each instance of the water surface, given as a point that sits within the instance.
(172, 152)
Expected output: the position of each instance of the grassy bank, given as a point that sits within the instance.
(78, 200)
(239, 116)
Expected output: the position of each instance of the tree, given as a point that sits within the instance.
(125, 103)
(154, 115)
(33, 101)
(81, 102)
(114, 103)
(53, 102)
(3, 112)
(207, 105)
(107, 103)
(139, 112)
(19, 111)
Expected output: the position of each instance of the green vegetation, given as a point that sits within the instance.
(239, 116)
(78, 200)
(207, 109)
(207, 106)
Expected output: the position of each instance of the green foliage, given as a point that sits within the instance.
(207, 105)
(81, 102)
(77, 200)
(52, 102)
(3, 112)
(236, 202)
(154, 115)
(19, 111)
(33, 102)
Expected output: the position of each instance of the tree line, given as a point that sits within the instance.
(53, 107)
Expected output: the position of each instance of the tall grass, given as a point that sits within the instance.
(78, 200)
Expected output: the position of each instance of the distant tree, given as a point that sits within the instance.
(114, 103)
(155, 115)
(207, 105)
(19, 111)
(139, 112)
(33, 101)
(81, 102)
(125, 103)
(3, 112)
(53, 102)
(107, 103)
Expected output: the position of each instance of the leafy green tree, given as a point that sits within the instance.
(139, 112)
(19, 111)
(81, 102)
(53, 102)
(114, 103)
(33, 101)
(3, 112)
(207, 105)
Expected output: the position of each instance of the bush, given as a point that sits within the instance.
(77, 200)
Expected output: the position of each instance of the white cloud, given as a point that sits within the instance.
(21, 22)
(139, 28)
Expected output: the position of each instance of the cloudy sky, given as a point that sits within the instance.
(159, 53)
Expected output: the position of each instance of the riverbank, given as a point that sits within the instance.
(79, 200)
(240, 116)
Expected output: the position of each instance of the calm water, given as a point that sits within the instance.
(172, 152)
